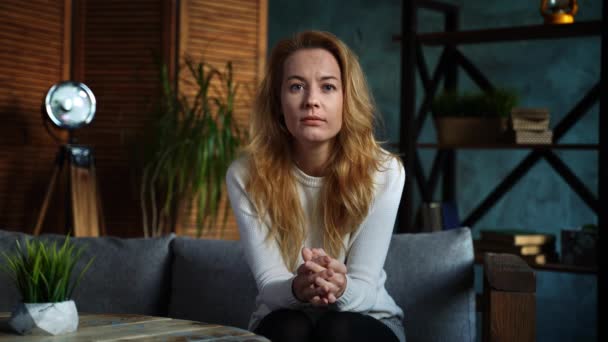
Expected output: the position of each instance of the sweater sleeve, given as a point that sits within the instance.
(272, 277)
(367, 253)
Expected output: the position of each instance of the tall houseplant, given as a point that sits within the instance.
(192, 141)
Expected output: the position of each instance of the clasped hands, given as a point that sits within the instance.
(320, 280)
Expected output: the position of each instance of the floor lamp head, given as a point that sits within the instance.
(70, 105)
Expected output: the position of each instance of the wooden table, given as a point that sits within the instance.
(111, 327)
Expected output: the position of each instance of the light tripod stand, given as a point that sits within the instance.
(70, 105)
(83, 208)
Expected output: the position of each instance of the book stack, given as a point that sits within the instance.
(534, 247)
(531, 126)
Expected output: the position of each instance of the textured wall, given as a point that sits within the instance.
(552, 74)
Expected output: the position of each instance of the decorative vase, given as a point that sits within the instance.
(45, 318)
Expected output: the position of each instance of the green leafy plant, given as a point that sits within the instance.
(42, 272)
(590, 228)
(496, 103)
(192, 141)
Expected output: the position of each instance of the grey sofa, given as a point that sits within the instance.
(429, 275)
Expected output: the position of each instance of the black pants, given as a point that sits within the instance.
(295, 326)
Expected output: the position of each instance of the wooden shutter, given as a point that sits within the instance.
(217, 32)
(110, 46)
(34, 55)
(115, 44)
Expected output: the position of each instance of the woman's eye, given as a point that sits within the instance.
(296, 87)
(329, 87)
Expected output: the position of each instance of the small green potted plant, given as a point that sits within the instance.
(44, 276)
(473, 118)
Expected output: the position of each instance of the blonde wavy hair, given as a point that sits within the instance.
(348, 188)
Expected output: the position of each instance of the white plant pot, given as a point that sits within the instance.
(45, 318)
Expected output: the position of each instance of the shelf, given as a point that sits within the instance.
(565, 268)
(444, 165)
(532, 32)
(552, 267)
(511, 146)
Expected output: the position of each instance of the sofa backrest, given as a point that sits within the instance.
(211, 282)
(9, 296)
(430, 276)
(127, 275)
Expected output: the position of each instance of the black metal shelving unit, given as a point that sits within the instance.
(450, 61)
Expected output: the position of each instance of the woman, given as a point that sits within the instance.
(315, 198)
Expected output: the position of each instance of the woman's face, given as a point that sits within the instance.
(311, 97)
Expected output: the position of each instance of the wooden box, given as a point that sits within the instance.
(470, 130)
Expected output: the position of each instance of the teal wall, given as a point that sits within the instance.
(552, 74)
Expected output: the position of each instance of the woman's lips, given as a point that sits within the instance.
(312, 121)
(312, 118)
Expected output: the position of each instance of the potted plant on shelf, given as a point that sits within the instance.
(44, 276)
(192, 140)
(473, 118)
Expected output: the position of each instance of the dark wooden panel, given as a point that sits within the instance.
(512, 317)
(509, 299)
(119, 42)
(31, 60)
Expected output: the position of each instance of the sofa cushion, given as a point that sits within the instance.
(9, 296)
(211, 282)
(430, 276)
(127, 275)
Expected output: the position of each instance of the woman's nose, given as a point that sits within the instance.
(312, 99)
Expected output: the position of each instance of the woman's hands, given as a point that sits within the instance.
(320, 280)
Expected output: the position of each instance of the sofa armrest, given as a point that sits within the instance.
(509, 299)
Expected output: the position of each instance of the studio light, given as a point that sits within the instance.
(70, 105)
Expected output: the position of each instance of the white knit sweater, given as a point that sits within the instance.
(366, 249)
